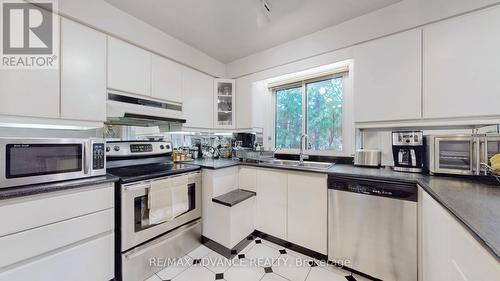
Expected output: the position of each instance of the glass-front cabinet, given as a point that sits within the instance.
(224, 104)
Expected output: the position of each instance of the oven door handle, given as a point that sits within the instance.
(475, 157)
(137, 186)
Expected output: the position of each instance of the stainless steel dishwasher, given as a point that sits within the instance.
(373, 225)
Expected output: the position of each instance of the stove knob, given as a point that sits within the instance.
(116, 148)
(162, 146)
(108, 149)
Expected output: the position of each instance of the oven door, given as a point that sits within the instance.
(135, 226)
(32, 161)
(456, 155)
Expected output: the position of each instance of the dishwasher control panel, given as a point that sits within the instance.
(369, 190)
(396, 190)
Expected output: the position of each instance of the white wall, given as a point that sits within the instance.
(106, 18)
(401, 16)
(326, 47)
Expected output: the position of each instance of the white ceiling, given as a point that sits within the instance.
(231, 29)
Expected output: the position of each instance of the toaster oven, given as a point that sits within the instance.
(460, 154)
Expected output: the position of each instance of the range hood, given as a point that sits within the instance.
(124, 109)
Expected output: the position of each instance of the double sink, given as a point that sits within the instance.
(296, 164)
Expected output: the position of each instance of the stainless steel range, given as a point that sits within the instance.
(158, 206)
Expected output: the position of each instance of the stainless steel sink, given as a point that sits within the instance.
(295, 164)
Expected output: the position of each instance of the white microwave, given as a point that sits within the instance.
(34, 160)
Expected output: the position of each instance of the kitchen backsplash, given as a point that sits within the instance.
(382, 139)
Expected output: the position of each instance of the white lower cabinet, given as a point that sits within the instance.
(435, 244)
(223, 224)
(469, 258)
(290, 205)
(271, 213)
(47, 208)
(307, 211)
(67, 235)
(92, 260)
(247, 178)
(449, 252)
(27, 244)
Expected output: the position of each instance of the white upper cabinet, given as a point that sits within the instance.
(253, 103)
(224, 104)
(129, 68)
(387, 78)
(166, 79)
(197, 97)
(32, 93)
(29, 92)
(462, 66)
(83, 72)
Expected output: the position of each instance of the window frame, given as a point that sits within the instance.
(347, 127)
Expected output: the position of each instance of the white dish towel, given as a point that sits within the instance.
(180, 199)
(160, 202)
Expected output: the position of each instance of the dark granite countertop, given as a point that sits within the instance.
(474, 203)
(26, 190)
(233, 197)
(214, 163)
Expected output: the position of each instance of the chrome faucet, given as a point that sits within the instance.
(303, 142)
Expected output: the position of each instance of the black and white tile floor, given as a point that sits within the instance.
(259, 261)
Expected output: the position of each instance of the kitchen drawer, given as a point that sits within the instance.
(175, 244)
(30, 243)
(34, 211)
(93, 260)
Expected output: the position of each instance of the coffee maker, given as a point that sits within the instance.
(408, 150)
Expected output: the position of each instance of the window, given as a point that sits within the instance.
(313, 107)
(324, 114)
(288, 117)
